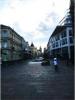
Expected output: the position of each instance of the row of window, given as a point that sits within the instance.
(4, 33)
(63, 35)
(62, 42)
(7, 45)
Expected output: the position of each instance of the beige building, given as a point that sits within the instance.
(11, 44)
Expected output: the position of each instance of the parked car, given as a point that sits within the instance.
(45, 62)
(38, 59)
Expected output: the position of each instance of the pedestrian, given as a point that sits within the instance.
(55, 64)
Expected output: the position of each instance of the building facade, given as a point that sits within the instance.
(12, 44)
(61, 42)
(33, 50)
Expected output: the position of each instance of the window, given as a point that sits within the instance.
(63, 34)
(71, 39)
(4, 33)
(57, 38)
(4, 44)
(70, 32)
(56, 44)
(53, 46)
(64, 41)
(60, 42)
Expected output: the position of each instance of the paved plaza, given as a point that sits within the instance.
(32, 81)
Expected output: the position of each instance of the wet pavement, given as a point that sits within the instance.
(31, 81)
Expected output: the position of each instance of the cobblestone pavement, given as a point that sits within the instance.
(31, 81)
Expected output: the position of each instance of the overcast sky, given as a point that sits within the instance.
(35, 20)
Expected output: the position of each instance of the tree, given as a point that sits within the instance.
(45, 54)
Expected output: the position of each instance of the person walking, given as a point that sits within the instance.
(55, 64)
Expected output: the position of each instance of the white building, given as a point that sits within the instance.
(61, 42)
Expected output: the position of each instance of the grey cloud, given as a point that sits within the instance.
(54, 16)
(45, 29)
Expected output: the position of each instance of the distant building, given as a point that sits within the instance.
(33, 50)
(39, 52)
(12, 44)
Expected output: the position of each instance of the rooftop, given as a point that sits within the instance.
(58, 29)
(8, 27)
